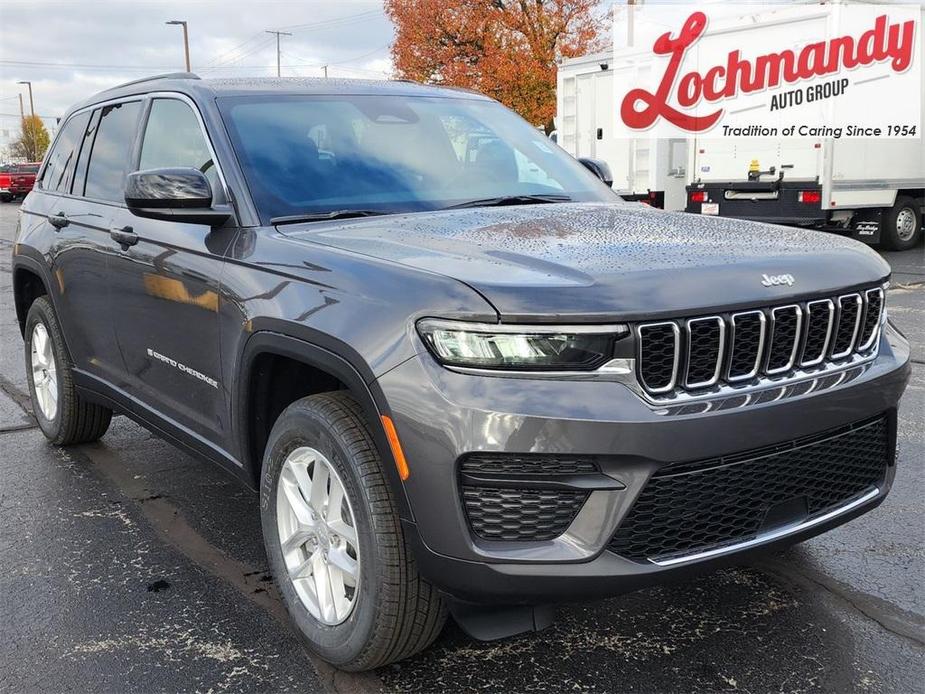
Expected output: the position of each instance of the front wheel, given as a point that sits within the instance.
(902, 225)
(334, 540)
(62, 414)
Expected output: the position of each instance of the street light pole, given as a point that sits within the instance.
(185, 39)
(33, 153)
(278, 34)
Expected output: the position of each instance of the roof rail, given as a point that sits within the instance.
(165, 76)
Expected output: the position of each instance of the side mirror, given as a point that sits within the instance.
(179, 195)
(600, 169)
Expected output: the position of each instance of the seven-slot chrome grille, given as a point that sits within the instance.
(695, 354)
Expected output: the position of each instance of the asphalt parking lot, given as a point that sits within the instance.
(126, 565)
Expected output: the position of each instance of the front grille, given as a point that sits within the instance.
(819, 318)
(849, 319)
(692, 507)
(520, 514)
(535, 465)
(764, 342)
(785, 338)
(658, 356)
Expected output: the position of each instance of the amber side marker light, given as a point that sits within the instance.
(395, 445)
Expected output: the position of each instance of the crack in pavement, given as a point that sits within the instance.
(888, 616)
(16, 395)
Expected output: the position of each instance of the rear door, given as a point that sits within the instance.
(166, 308)
(79, 229)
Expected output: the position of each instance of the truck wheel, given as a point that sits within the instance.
(334, 540)
(6, 197)
(902, 225)
(62, 414)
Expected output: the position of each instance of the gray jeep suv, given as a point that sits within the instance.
(463, 375)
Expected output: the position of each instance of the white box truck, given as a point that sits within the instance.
(872, 189)
(644, 168)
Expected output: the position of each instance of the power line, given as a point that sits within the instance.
(334, 21)
(225, 55)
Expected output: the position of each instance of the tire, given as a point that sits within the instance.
(394, 613)
(902, 225)
(71, 419)
(6, 197)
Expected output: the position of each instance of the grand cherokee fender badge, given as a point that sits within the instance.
(777, 280)
(181, 367)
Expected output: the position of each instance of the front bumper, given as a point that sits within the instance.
(441, 416)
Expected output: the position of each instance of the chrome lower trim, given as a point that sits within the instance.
(770, 536)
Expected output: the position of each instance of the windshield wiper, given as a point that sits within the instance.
(511, 200)
(321, 216)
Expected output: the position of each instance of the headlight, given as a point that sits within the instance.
(523, 347)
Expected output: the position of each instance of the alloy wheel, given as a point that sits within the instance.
(44, 372)
(318, 536)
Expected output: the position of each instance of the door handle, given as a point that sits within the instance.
(58, 221)
(125, 236)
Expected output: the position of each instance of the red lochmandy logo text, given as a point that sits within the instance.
(640, 109)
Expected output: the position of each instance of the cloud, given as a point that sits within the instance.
(73, 49)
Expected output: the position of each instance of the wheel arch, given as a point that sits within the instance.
(29, 283)
(335, 372)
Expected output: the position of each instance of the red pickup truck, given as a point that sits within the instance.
(16, 180)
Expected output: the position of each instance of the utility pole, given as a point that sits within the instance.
(278, 34)
(185, 39)
(33, 154)
(325, 67)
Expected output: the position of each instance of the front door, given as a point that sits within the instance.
(166, 312)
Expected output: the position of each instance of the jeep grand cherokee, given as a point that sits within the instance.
(463, 375)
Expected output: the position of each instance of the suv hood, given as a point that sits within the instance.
(598, 261)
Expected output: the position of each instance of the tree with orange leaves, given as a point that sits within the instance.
(506, 49)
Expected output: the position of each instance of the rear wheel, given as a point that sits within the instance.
(902, 225)
(334, 540)
(6, 197)
(62, 414)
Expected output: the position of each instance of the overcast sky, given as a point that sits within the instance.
(71, 49)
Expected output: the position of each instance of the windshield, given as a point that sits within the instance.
(317, 154)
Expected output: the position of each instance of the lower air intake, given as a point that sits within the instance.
(688, 508)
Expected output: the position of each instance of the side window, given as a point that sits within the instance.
(112, 150)
(80, 174)
(59, 172)
(173, 138)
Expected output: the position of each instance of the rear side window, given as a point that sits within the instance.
(112, 151)
(173, 138)
(80, 175)
(59, 172)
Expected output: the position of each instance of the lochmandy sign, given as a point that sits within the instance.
(771, 71)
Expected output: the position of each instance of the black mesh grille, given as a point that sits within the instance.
(505, 464)
(657, 355)
(871, 317)
(818, 315)
(698, 506)
(705, 345)
(746, 341)
(847, 319)
(520, 514)
(784, 328)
